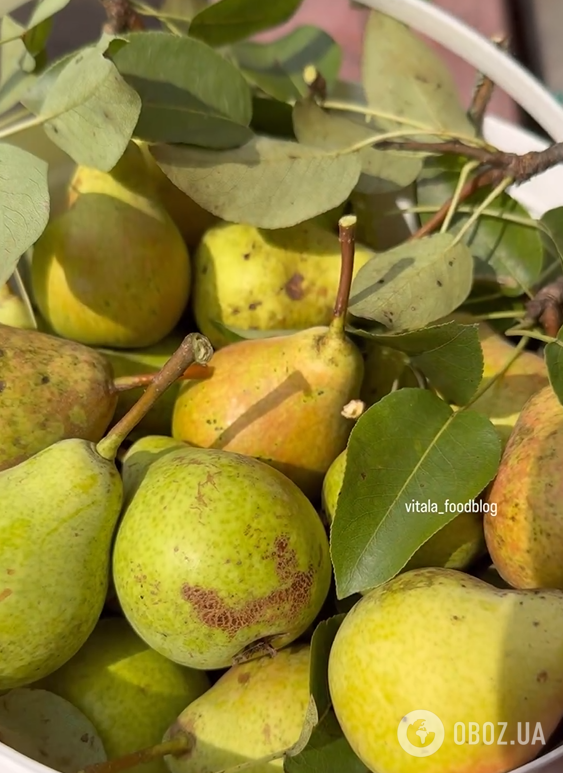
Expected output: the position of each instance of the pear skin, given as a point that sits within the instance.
(525, 537)
(113, 270)
(13, 310)
(129, 692)
(276, 399)
(250, 278)
(456, 546)
(219, 556)
(139, 456)
(255, 709)
(441, 641)
(50, 389)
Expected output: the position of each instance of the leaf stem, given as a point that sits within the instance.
(194, 348)
(347, 238)
(180, 744)
(533, 334)
(480, 392)
(495, 193)
(468, 209)
(456, 198)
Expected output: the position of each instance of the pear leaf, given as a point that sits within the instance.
(50, 730)
(328, 751)
(17, 65)
(553, 354)
(268, 183)
(277, 67)
(402, 76)
(551, 224)
(43, 10)
(413, 284)
(311, 721)
(505, 252)
(321, 643)
(228, 21)
(36, 95)
(190, 93)
(89, 111)
(412, 465)
(382, 170)
(449, 355)
(24, 205)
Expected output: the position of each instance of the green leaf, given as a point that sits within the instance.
(410, 447)
(449, 355)
(48, 729)
(553, 354)
(277, 67)
(24, 205)
(413, 284)
(36, 38)
(321, 643)
(44, 9)
(382, 170)
(190, 94)
(328, 751)
(37, 93)
(272, 117)
(404, 77)
(551, 223)
(506, 252)
(268, 183)
(235, 334)
(229, 21)
(16, 65)
(90, 111)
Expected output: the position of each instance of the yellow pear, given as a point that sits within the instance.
(456, 546)
(255, 709)
(251, 278)
(139, 457)
(439, 672)
(113, 270)
(13, 310)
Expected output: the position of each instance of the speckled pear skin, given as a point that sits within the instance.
(278, 400)
(59, 510)
(253, 710)
(50, 389)
(128, 691)
(113, 269)
(448, 643)
(456, 546)
(216, 552)
(251, 278)
(525, 538)
(139, 456)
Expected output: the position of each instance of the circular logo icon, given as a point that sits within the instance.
(420, 733)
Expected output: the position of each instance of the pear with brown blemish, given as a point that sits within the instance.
(281, 399)
(219, 558)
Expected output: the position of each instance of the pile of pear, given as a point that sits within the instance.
(163, 568)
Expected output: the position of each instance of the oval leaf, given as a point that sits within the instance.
(229, 21)
(383, 170)
(16, 64)
(268, 183)
(328, 751)
(24, 205)
(413, 284)
(277, 67)
(408, 449)
(449, 355)
(50, 730)
(90, 111)
(506, 252)
(321, 643)
(403, 76)
(190, 93)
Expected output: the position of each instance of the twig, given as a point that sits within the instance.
(121, 17)
(347, 237)
(484, 91)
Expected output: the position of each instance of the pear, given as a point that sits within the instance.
(280, 399)
(113, 269)
(129, 692)
(385, 370)
(219, 557)
(50, 389)
(13, 310)
(455, 546)
(440, 641)
(525, 537)
(59, 509)
(139, 456)
(251, 278)
(254, 710)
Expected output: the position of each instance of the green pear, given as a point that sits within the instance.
(59, 510)
(135, 362)
(251, 278)
(219, 557)
(129, 692)
(13, 310)
(440, 641)
(525, 537)
(113, 270)
(139, 456)
(455, 546)
(254, 710)
(50, 389)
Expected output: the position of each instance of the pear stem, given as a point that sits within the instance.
(194, 348)
(347, 237)
(139, 380)
(180, 744)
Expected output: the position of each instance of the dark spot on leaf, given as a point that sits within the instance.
(293, 287)
(55, 129)
(380, 281)
(85, 738)
(450, 262)
(438, 283)
(536, 623)
(363, 476)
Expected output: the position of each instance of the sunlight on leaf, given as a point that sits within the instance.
(228, 21)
